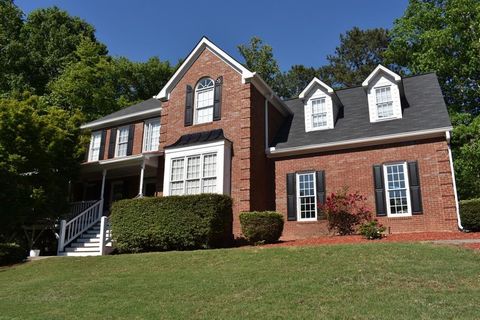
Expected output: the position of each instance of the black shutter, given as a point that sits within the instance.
(291, 197)
(131, 134)
(112, 142)
(217, 100)
(320, 181)
(102, 145)
(189, 106)
(379, 190)
(414, 180)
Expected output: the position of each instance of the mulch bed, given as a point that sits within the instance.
(401, 237)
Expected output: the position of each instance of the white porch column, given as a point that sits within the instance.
(142, 170)
(104, 174)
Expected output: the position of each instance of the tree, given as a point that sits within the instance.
(289, 84)
(40, 149)
(444, 36)
(259, 58)
(359, 52)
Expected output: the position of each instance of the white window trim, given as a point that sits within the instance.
(201, 178)
(90, 149)
(145, 134)
(117, 140)
(297, 183)
(223, 151)
(374, 89)
(326, 113)
(195, 111)
(407, 187)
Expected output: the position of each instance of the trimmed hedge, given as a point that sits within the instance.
(172, 223)
(11, 253)
(261, 227)
(470, 214)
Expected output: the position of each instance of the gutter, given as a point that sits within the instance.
(329, 146)
(457, 206)
(132, 116)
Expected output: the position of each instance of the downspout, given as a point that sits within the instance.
(266, 123)
(457, 207)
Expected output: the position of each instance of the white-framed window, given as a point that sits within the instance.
(151, 135)
(194, 174)
(397, 191)
(319, 113)
(121, 145)
(95, 142)
(204, 98)
(306, 197)
(384, 101)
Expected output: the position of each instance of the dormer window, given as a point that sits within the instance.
(384, 102)
(320, 106)
(204, 94)
(383, 93)
(319, 113)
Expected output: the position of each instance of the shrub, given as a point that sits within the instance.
(172, 223)
(372, 229)
(261, 227)
(345, 211)
(470, 214)
(11, 253)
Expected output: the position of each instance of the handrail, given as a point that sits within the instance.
(80, 206)
(76, 226)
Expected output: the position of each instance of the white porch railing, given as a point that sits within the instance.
(76, 226)
(80, 206)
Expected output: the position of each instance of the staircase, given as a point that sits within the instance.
(87, 244)
(86, 234)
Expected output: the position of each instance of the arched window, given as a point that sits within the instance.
(204, 101)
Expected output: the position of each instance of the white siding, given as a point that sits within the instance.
(382, 80)
(307, 107)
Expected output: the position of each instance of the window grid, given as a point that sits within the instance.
(397, 189)
(204, 101)
(151, 135)
(200, 174)
(319, 113)
(307, 204)
(122, 142)
(95, 142)
(384, 101)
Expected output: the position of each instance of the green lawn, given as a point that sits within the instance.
(369, 281)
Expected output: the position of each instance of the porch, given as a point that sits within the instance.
(85, 230)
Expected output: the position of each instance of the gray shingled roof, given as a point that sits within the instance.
(423, 109)
(143, 106)
(198, 138)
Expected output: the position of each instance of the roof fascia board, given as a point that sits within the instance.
(312, 83)
(371, 141)
(378, 69)
(119, 119)
(204, 43)
(268, 92)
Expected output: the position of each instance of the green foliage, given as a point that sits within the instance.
(262, 227)
(289, 84)
(359, 52)
(442, 36)
(259, 58)
(470, 214)
(11, 253)
(172, 223)
(345, 211)
(372, 229)
(40, 148)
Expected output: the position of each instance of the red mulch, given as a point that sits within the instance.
(401, 237)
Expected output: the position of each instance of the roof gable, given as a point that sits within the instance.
(315, 81)
(378, 70)
(204, 44)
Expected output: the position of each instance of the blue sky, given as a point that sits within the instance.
(300, 32)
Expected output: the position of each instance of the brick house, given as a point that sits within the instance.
(218, 127)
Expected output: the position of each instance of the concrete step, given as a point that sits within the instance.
(82, 249)
(79, 254)
(85, 244)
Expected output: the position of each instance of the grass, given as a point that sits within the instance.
(367, 281)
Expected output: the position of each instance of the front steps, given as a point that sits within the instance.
(88, 244)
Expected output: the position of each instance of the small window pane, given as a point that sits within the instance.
(193, 167)
(177, 169)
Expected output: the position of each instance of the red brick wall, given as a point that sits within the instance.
(353, 168)
(235, 122)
